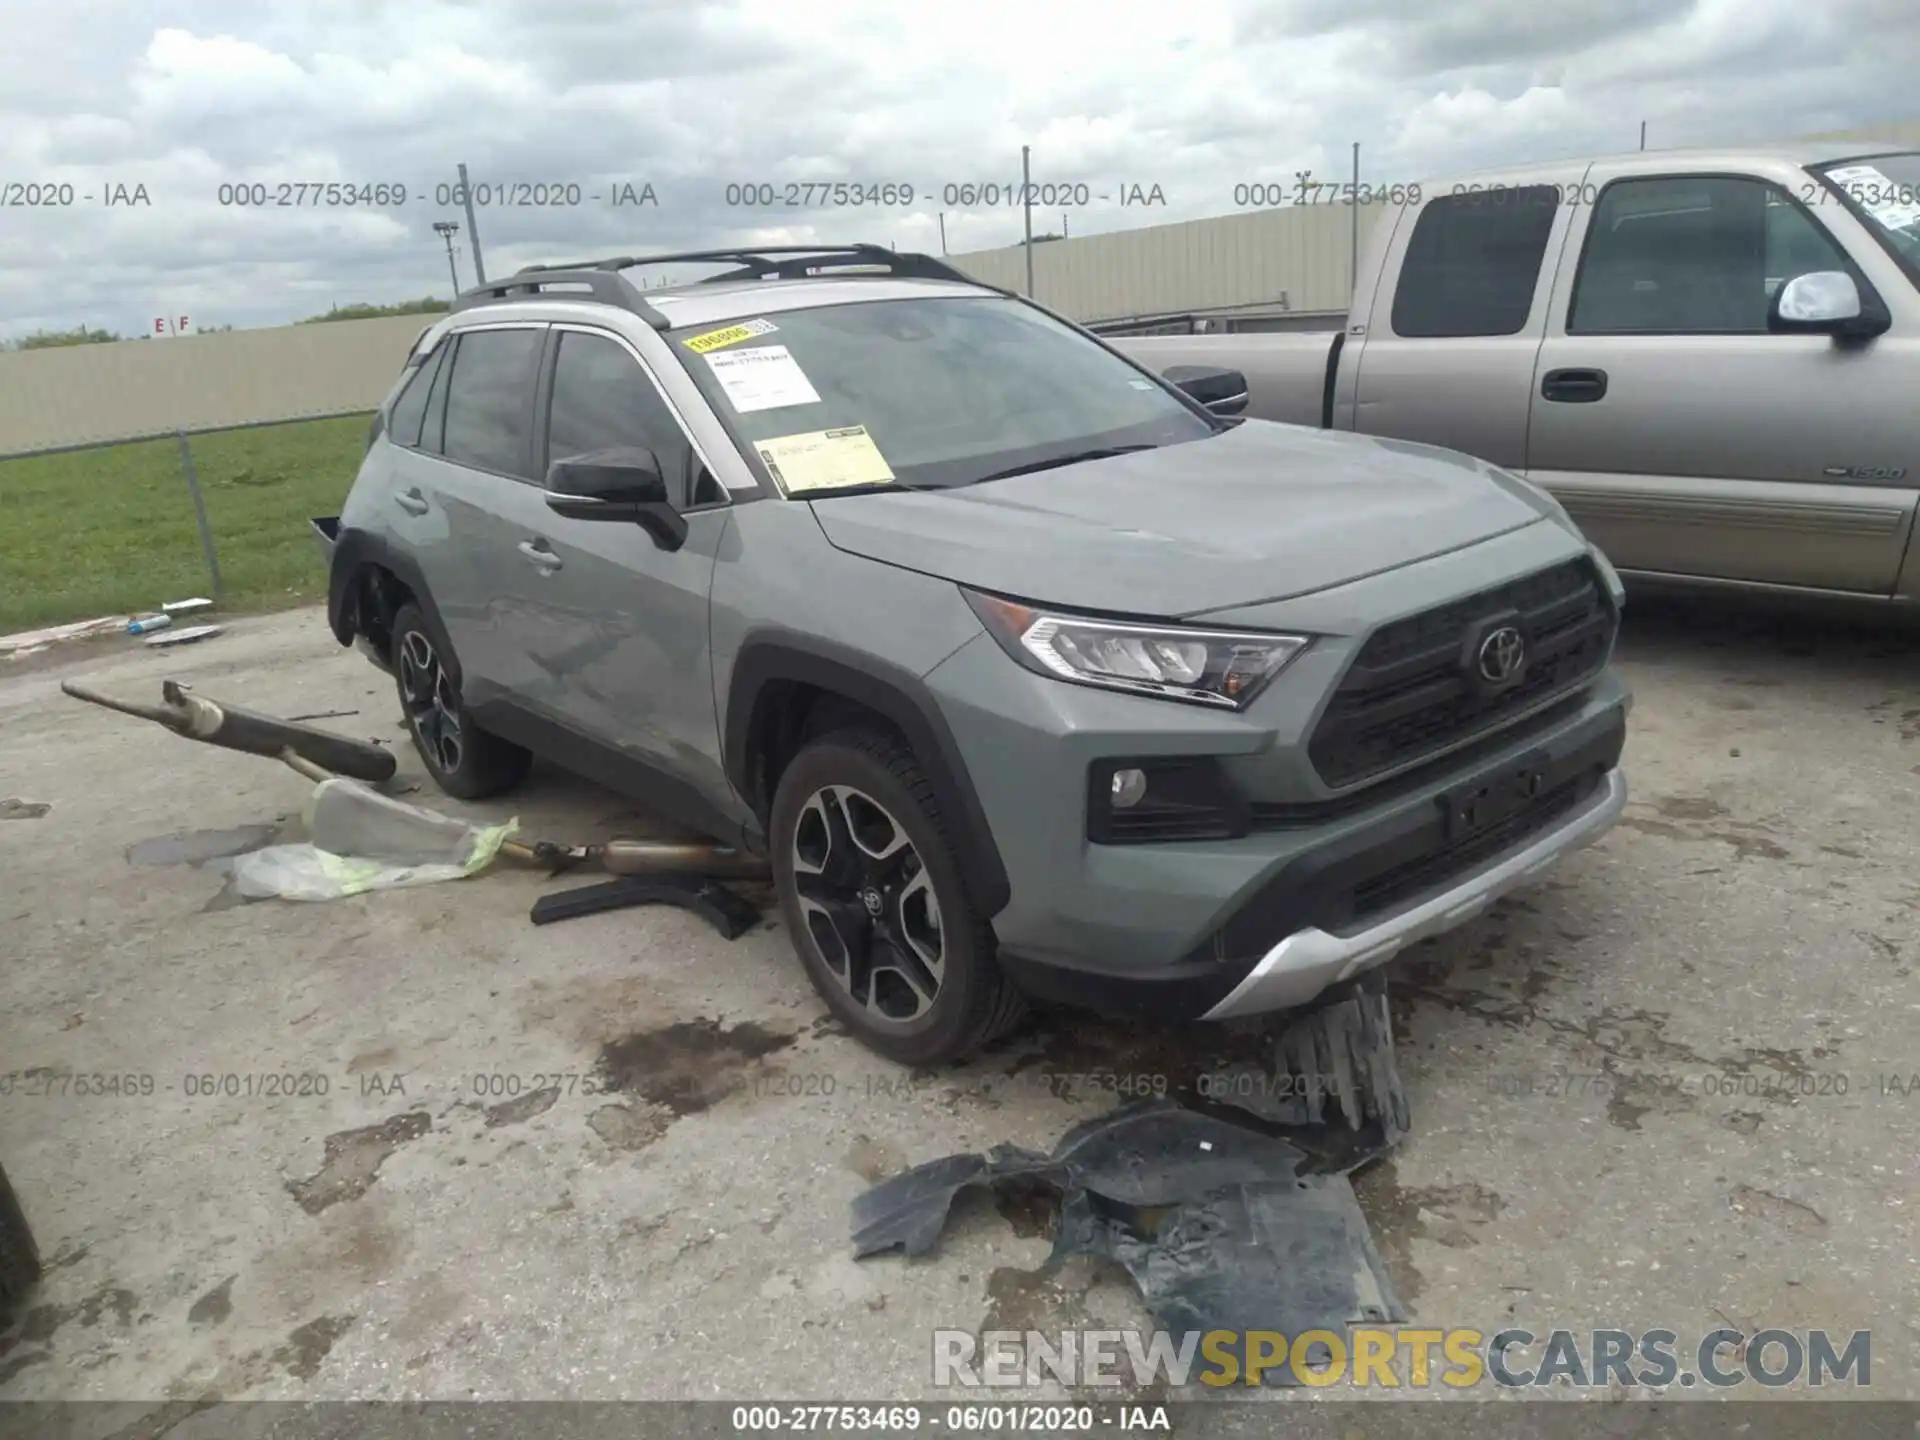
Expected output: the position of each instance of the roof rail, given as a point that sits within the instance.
(787, 262)
(602, 281)
(763, 262)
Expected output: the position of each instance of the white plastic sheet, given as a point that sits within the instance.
(361, 840)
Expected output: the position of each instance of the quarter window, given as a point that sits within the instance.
(1473, 262)
(403, 425)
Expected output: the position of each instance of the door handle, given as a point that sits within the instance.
(539, 554)
(1574, 387)
(411, 501)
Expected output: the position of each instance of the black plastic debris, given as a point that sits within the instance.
(1215, 1222)
(1151, 1154)
(724, 909)
(1331, 1079)
(1284, 1256)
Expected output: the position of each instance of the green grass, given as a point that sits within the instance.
(111, 531)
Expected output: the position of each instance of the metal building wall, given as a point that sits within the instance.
(1294, 259)
(88, 394)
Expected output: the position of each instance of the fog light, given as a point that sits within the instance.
(1129, 788)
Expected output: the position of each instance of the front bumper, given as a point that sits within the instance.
(1306, 962)
(1212, 930)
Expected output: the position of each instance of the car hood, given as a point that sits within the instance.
(1257, 513)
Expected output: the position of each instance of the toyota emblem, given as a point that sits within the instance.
(1503, 655)
(874, 901)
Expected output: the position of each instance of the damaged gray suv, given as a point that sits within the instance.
(1035, 675)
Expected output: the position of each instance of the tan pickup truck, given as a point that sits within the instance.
(1710, 358)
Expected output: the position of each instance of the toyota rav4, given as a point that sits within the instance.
(1033, 673)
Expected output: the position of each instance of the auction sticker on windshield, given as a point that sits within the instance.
(763, 378)
(825, 459)
(1892, 205)
(732, 335)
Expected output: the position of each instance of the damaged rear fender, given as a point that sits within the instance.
(369, 581)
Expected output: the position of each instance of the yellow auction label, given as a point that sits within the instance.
(732, 335)
(825, 459)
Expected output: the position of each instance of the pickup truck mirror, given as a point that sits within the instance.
(620, 484)
(1827, 302)
(1224, 392)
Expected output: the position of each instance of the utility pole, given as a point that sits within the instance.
(446, 230)
(1026, 196)
(1643, 134)
(1063, 225)
(473, 229)
(943, 232)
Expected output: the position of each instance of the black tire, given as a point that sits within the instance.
(464, 760)
(858, 771)
(19, 1255)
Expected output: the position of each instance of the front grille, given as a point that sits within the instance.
(1387, 889)
(1408, 696)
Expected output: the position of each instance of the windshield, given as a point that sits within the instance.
(923, 394)
(1884, 191)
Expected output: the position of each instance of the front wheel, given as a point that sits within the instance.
(872, 895)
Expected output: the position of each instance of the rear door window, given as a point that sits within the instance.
(1473, 262)
(489, 401)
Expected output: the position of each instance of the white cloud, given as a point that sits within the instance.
(184, 96)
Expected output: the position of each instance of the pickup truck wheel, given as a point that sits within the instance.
(19, 1256)
(872, 896)
(464, 760)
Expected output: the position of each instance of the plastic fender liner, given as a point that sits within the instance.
(354, 552)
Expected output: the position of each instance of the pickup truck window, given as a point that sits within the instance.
(1472, 263)
(1697, 255)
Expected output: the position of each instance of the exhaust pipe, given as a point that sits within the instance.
(232, 728)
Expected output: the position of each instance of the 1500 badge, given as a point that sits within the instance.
(1866, 472)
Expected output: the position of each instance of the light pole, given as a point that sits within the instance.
(446, 230)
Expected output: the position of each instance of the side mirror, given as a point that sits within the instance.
(1827, 302)
(1224, 392)
(624, 485)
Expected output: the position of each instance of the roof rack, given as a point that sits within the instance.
(764, 262)
(602, 280)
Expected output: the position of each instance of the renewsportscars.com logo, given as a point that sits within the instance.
(1382, 1357)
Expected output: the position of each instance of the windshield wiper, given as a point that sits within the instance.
(864, 487)
(1104, 452)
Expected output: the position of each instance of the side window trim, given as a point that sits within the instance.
(529, 419)
(1772, 188)
(680, 421)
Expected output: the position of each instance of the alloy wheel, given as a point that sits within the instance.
(869, 905)
(432, 703)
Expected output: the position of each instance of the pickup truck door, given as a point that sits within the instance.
(1442, 350)
(1685, 438)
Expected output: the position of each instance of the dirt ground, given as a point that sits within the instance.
(613, 1158)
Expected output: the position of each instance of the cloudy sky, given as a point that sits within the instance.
(182, 97)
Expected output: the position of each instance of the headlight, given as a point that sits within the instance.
(1208, 667)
